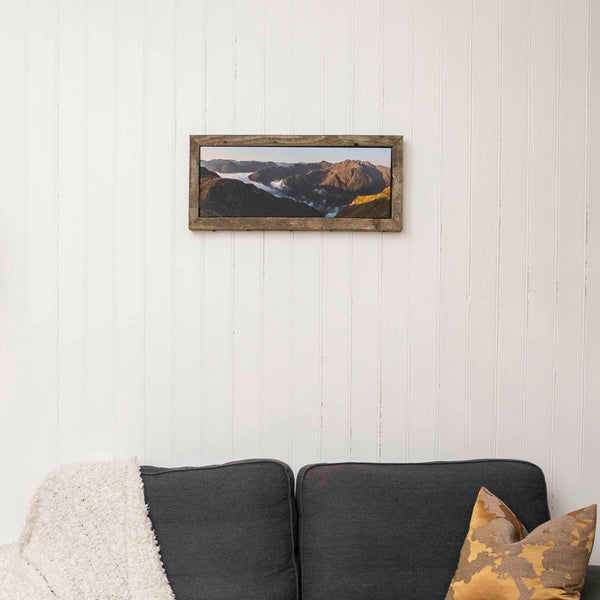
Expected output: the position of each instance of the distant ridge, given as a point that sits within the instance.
(267, 174)
(235, 166)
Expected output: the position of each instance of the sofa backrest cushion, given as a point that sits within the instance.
(394, 531)
(226, 532)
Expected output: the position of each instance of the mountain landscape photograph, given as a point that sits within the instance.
(336, 182)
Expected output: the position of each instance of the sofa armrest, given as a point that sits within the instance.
(591, 589)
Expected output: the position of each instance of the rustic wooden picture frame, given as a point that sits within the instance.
(393, 223)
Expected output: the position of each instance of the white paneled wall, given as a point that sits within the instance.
(474, 333)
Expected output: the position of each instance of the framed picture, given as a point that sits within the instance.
(297, 182)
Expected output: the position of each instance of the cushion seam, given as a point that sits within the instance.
(290, 481)
(304, 470)
(168, 470)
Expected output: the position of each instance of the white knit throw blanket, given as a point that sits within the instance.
(87, 537)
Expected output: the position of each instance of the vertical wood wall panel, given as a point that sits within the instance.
(72, 229)
(188, 309)
(513, 204)
(424, 229)
(306, 360)
(246, 344)
(590, 482)
(306, 283)
(366, 249)
(42, 164)
(335, 434)
(128, 234)
(472, 333)
(305, 267)
(282, 66)
(216, 429)
(336, 114)
(247, 275)
(276, 358)
(454, 212)
(218, 290)
(14, 120)
(571, 182)
(483, 251)
(158, 209)
(396, 119)
(99, 221)
(277, 115)
(542, 225)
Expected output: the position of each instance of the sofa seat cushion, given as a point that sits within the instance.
(389, 531)
(226, 532)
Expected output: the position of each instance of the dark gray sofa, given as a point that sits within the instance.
(351, 531)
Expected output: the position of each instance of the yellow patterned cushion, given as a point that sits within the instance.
(501, 561)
